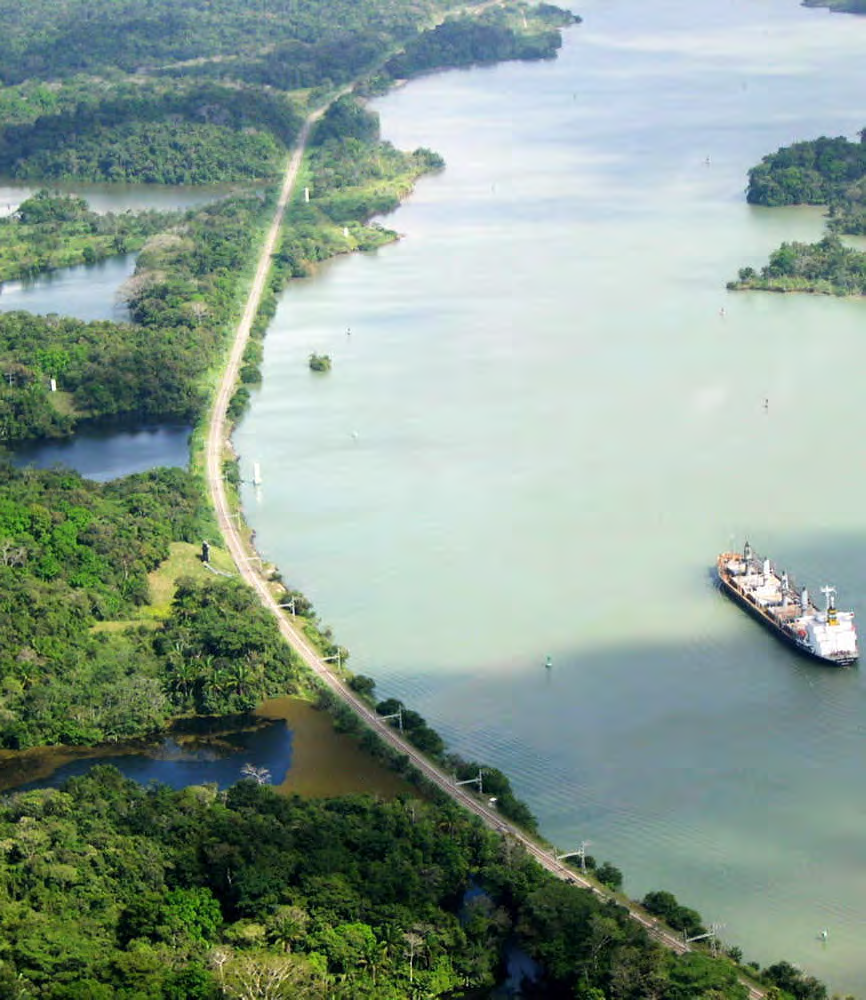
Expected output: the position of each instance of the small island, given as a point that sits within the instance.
(827, 267)
(822, 171)
(842, 6)
(320, 362)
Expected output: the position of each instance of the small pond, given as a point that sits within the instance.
(111, 451)
(293, 742)
(87, 291)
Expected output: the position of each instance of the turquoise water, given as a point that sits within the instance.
(547, 420)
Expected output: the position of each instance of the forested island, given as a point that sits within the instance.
(844, 6)
(112, 620)
(493, 36)
(823, 171)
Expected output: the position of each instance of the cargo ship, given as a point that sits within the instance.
(828, 635)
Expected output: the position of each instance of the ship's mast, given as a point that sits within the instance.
(830, 593)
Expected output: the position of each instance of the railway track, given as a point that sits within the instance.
(217, 447)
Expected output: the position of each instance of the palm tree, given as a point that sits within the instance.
(183, 674)
(378, 958)
(287, 924)
(240, 674)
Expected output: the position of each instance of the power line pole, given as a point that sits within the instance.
(579, 853)
(473, 781)
(712, 935)
(398, 715)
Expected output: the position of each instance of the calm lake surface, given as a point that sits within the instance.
(115, 197)
(548, 419)
(110, 452)
(92, 292)
(88, 291)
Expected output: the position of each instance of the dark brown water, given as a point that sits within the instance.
(289, 738)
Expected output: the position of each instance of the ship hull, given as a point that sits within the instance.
(783, 634)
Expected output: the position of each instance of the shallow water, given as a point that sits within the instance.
(547, 420)
(296, 745)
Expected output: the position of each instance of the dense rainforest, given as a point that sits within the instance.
(110, 90)
(190, 92)
(79, 661)
(110, 891)
(44, 40)
(150, 132)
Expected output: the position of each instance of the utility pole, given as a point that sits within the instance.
(398, 715)
(261, 775)
(712, 934)
(579, 853)
(582, 854)
(473, 781)
(337, 656)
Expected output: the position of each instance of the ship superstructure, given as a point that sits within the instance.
(771, 596)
